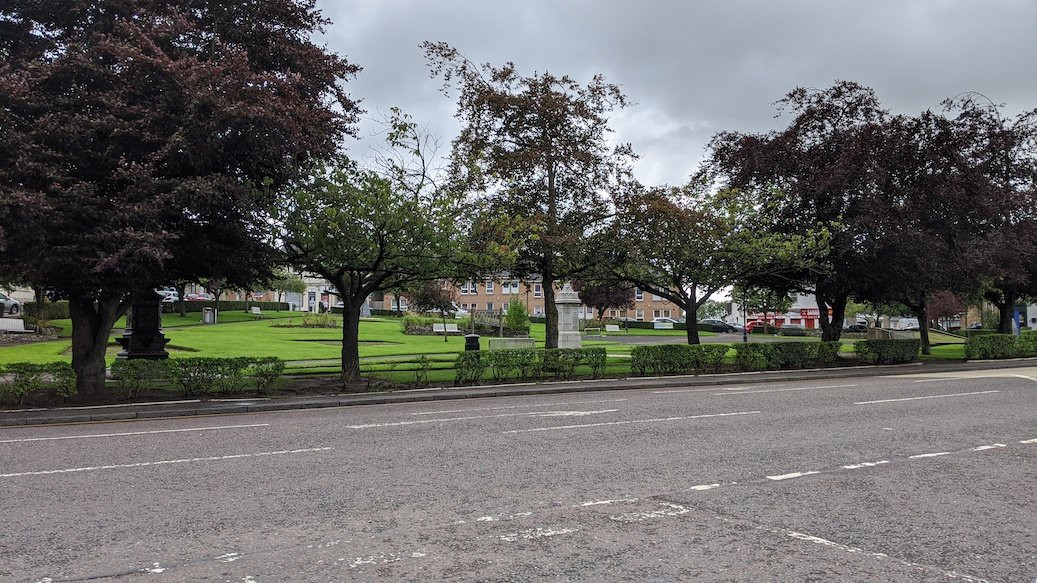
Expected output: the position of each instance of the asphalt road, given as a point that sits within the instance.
(909, 478)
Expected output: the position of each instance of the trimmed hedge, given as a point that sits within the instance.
(22, 382)
(974, 332)
(888, 351)
(785, 355)
(996, 346)
(51, 310)
(226, 306)
(677, 358)
(197, 376)
(526, 364)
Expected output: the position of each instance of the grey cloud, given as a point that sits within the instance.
(694, 68)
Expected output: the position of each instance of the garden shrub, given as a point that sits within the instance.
(264, 372)
(995, 346)
(201, 376)
(132, 377)
(516, 317)
(421, 370)
(789, 355)
(826, 353)
(31, 382)
(469, 367)
(510, 363)
(314, 320)
(887, 351)
(677, 358)
(561, 363)
(753, 357)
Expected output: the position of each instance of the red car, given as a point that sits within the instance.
(749, 326)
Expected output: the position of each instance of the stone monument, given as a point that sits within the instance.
(143, 337)
(568, 303)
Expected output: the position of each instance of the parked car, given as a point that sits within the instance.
(858, 328)
(666, 320)
(9, 305)
(770, 328)
(168, 294)
(793, 330)
(198, 297)
(717, 325)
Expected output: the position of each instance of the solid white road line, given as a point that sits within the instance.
(88, 436)
(697, 390)
(1029, 441)
(518, 407)
(991, 446)
(601, 502)
(924, 455)
(783, 390)
(470, 417)
(166, 462)
(790, 476)
(660, 419)
(927, 397)
(865, 465)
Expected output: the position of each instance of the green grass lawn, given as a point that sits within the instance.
(317, 350)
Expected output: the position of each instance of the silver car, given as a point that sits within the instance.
(9, 305)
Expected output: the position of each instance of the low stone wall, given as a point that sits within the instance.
(510, 343)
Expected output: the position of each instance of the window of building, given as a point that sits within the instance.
(639, 315)
(489, 306)
(796, 321)
(464, 288)
(666, 313)
(538, 290)
(538, 311)
(402, 303)
(612, 313)
(489, 287)
(655, 313)
(639, 295)
(515, 286)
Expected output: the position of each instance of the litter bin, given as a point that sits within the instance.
(208, 315)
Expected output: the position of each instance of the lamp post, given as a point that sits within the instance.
(745, 322)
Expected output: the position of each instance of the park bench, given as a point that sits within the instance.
(663, 325)
(445, 329)
(592, 331)
(511, 343)
(13, 326)
(257, 312)
(612, 327)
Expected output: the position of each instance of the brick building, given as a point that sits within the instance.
(494, 294)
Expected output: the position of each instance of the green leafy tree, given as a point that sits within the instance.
(285, 282)
(605, 294)
(432, 296)
(516, 317)
(535, 148)
(145, 142)
(351, 227)
(757, 300)
(686, 249)
(712, 309)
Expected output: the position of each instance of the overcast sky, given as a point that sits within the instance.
(694, 68)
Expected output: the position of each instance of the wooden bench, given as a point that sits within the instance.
(592, 331)
(445, 329)
(612, 327)
(257, 312)
(13, 326)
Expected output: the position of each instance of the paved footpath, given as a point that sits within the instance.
(919, 477)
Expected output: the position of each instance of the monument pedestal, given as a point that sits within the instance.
(144, 337)
(568, 303)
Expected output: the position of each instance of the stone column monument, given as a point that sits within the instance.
(143, 337)
(568, 302)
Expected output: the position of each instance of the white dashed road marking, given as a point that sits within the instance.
(470, 417)
(166, 462)
(88, 436)
(785, 390)
(506, 407)
(658, 420)
(791, 476)
(926, 397)
(924, 455)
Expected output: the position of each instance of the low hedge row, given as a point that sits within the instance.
(51, 310)
(677, 358)
(22, 382)
(887, 351)
(197, 376)
(527, 364)
(785, 355)
(996, 346)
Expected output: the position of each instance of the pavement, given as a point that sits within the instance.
(193, 407)
(920, 476)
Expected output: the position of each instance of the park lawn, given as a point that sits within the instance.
(176, 321)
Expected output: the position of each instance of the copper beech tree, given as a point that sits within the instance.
(145, 142)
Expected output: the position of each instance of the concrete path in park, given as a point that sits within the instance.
(925, 476)
(682, 339)
(193, 407)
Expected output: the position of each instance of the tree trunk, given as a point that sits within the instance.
(350, 342)
(91, 325)
(693, 332)
(181, 290)
(1005, 308)
(443, 315)
(831, 327)
(923, 327)
(550, 313)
